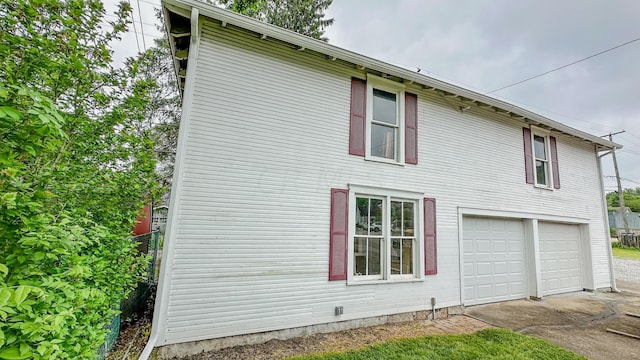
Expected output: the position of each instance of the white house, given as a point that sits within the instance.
(318, 189)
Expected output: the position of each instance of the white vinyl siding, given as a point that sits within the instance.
(268, 138)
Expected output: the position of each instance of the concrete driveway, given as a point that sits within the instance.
(576, 321)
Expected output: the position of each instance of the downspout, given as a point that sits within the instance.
(159, 312)
(605, 214)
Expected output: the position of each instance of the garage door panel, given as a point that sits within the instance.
(494, 260)
(560, 258)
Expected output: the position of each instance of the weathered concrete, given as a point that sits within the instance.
(576, 321)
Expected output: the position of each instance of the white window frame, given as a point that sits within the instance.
(536, 131)
(376, 82)
(387, 195)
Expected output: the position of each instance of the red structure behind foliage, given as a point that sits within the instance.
(143, 221)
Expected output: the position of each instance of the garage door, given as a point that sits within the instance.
(560, 265)
(494, 260)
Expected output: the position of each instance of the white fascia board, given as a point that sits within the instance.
(302, 41)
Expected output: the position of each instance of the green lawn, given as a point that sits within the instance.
(485, 344)
(626, 253)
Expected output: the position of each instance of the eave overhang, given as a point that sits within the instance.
(178, 12)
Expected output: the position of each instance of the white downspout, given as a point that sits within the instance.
(607, 235)
(164, 282)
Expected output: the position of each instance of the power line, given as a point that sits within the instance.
(144, 23)
(134, 26)
(564, 66)
(633, 135)
(144, 44)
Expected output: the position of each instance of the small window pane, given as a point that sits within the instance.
(541, 172)
(540, 149)
(383, 141)
(362, 216)
(396, 218)
(374, 257)
(360, 256)
(408, 219)
(384, 107)
(395, 256)
(375, 220)
(407, 256)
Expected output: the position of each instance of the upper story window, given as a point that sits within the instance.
(541, 158)
(542, 161)
(385, 111)
(383, 121)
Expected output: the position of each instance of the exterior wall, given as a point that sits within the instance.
(268, 138)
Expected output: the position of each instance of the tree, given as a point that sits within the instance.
(76, 165)
(631, 199)
(164, 109)
(302, 16)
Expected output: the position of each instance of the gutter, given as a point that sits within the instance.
(158, 326)
(607, 236)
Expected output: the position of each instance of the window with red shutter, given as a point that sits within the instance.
(541, 158)
(386, 234)
(376, 124)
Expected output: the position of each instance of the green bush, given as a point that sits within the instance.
(76, 164)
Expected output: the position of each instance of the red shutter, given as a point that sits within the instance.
(528, 155)
(430, 234)
(554, 162)
(339, 234)
(358, 118)
(410, 128)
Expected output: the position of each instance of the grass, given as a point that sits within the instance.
(484, 344)
(626, 253)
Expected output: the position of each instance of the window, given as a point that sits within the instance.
(385, 239)
(375, 235)
(384, 125)
(383, 122)
(367, 250)
(541, 160)
(402, 237)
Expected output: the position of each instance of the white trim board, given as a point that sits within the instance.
(522, 215)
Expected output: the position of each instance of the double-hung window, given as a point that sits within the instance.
(385, 234)
(385, 119)
(381, 235)
(541, 157)
(383, 123)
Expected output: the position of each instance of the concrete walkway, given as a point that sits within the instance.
(576, 321)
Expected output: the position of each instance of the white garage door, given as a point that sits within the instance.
(560, 265)
(494, 260)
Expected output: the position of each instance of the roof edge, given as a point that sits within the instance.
(332, 51)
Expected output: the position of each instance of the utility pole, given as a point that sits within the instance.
(620, 193)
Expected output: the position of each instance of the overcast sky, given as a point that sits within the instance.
(488, 44)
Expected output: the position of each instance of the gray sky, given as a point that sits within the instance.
(487, 44)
